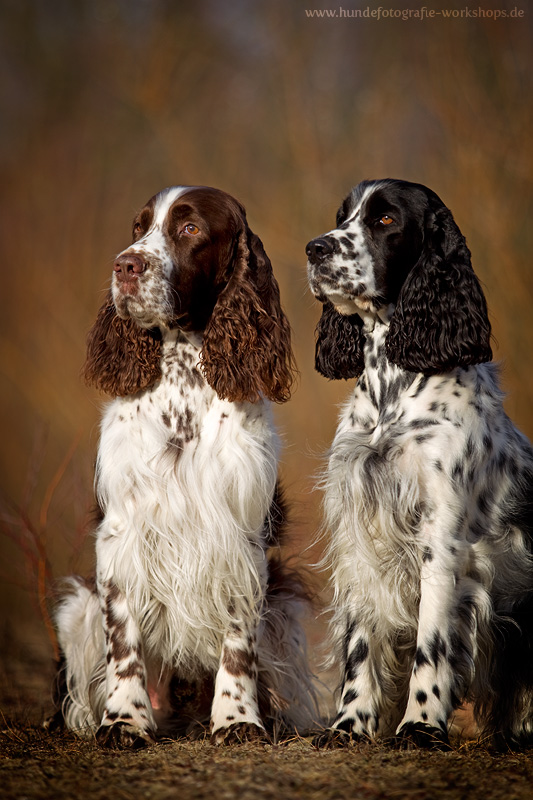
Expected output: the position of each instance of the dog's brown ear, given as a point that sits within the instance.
(122, 358)
(246, 350)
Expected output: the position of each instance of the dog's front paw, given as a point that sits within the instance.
(123, 735)
(238, 733)
(419, 734)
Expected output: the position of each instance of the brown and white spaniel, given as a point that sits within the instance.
(192, 614)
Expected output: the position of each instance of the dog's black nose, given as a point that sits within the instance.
(319, 248)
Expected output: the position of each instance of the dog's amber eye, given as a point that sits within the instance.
(191, 229)
(386, 220)
(137, 227)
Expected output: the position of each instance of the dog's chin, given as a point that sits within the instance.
(128, 307)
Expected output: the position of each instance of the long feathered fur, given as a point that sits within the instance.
(245, 351)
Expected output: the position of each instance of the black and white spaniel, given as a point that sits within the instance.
(192, 615)
(429, 486)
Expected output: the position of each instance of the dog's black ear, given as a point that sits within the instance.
(441, 320)
(339, 344)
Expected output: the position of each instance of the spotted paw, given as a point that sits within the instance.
(334, 738)
(238, 733)
(123, 736)
(418, 734)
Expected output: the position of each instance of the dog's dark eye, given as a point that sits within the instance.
(137, 227)
(386, 220)
(191, 229)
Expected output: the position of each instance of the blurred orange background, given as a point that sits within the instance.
(104, 102)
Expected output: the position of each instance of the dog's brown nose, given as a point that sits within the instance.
(128, 267)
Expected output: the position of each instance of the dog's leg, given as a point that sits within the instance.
(361, 699)
(445, 647)
(127, 719)
(235, 713)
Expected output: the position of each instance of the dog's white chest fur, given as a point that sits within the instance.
(185, 480)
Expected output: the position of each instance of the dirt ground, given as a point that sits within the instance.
(35, 765)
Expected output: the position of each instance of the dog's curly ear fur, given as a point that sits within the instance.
(441, 320)
(339, 344)
(246, 351)
(122, 358)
